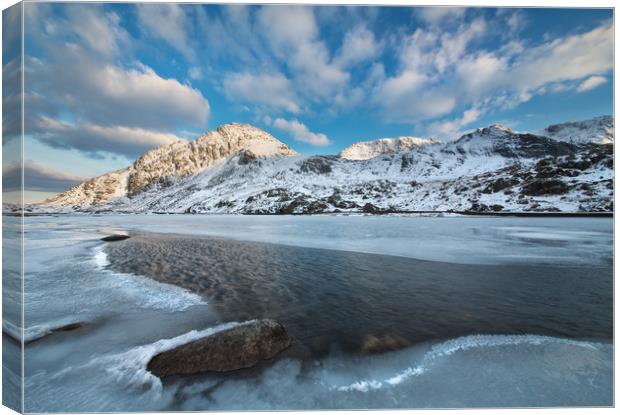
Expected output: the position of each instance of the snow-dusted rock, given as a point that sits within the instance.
(365, 150)
(95, 191)
(498, 140)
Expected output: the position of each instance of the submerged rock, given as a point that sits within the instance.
(379, 344)
(236, 348)
(69, 327)
(115, 237)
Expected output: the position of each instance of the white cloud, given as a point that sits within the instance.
(441, 71)
(195, 73)
(406, 98)
(99, 30)
(300, 132)
(282, 46)
(479, 74)
(420, 88)
(516, 20)
(274, 90)
(292, 33)
(569, 58)
(287, 26)
(359, 45)
(109, 94)
(453, 129)
(441, 14)
(514, 76)
(169, 22)
(591, 83)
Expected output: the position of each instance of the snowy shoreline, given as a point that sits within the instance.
(392, 213)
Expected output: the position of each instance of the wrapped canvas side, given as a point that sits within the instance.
(12, 208)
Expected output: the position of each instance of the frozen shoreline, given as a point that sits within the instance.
(92, 369)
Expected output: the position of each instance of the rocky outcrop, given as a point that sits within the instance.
(239, 347)
(365, 150)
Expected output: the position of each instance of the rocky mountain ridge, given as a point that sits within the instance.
(179, 159)
(241, 169)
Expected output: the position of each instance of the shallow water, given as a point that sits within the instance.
(499, 311)
(330, 298)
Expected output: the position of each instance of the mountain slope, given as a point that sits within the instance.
(599, 130)
(490, 169)
(365, 150)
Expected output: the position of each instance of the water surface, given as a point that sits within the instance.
(330, 298)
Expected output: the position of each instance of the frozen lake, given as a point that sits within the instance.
(465, 351)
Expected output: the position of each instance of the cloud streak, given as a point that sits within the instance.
(591, 83)
(36, 178)
(300, 132)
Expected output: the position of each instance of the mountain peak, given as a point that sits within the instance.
(494, 130)
(248, 138)
(194, 156)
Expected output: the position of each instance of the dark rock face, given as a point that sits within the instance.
(500, 184)
(370, 208)
(545, 187)
(236, 348)
(482, 208)
(317, 165)
(116, 237)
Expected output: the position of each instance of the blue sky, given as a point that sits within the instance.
(106, 82)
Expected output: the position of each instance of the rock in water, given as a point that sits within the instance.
(115, 237)
(236, 348)
(379, 344)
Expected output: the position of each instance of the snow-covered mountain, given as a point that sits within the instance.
(365, 150)
(241, 169)
(172, 161)
(599, 130)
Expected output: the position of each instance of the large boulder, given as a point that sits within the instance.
(239, 347)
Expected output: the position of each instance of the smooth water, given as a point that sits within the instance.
(496, 311)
